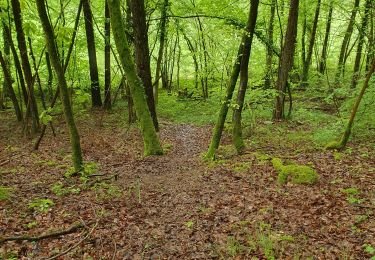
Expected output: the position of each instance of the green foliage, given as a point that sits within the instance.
(60, 190)
(189, 224)
(41, 205)
(5, 193)
(105, 191)
(296, 174)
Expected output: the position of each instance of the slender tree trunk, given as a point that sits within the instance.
(361, 40)
(286, 62)
(345, 43)
(303, 39)
(345, 137)
(107, 59)
(195, 60)
(142, 54)
(306, 65)
(268, 78)
(323, 59)
(50, 77)
(91, 49)
(9, 88)
(162, 31)
(244, 76)
(371, 40)
(31, 104)
(59, 70)
(151, 140)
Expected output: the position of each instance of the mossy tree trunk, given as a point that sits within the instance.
(268, 77)
(150, 139)
(59, 70)
(361, 41)
(91, 49)
(142, 54)
(323, 58)
(345, 137)
(31, 103)
(10, 90)
(286, 62)
(107, 59)
(244, 76)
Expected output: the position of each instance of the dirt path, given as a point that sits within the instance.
(177, 207)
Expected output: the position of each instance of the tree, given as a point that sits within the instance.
(286, 60)
(31, 102)
(91, 49)
(59, 70)
(340, 145)
(107, 59)
(150, 139)
(323, 58)
(244, 76)
(268, 77)
(142, 54)
(162, 34)
(307, 63)
(361, 39)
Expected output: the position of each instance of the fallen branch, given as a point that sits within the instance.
(54, 234)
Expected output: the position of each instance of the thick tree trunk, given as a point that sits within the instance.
(323, 58)
(91, 49)
(142, 54)
(244, 76)
(286, 62)
(361, 40)
(9, 88)
(151, 140)
(59, 70)
(107, 59)
(268, 77)
(306, 65)
(162, 33)
(345, 43)
(31, 104)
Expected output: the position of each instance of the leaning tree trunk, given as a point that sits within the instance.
(107, 59)
(142, 54)
(31, 105)
(268, 77)
(306, 65)
(91, 49)
(361, 40)
(286, 62)
(323, 59)
(150, 139)
(345, 137)
(244, 76)
(345, 43)
(9, 88)
(59, 70)
(371, 40)
(162, 31)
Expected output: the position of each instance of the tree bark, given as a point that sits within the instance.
(268, 77)
(150, 139)
(31, 104)
(107, 59)
(323, 59)
(59, 70)
(244, 76)
(361, 40)
(142, 54)
(91, 49)
(286, 62)
(345, 43)
(306, 65)
(162, 31)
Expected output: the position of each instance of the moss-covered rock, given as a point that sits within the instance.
(297, 174)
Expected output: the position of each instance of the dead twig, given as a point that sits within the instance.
(74, 246)
(54, 234)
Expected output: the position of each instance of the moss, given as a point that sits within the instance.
(297, 174)
(5, 193)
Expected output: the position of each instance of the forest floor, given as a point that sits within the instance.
(177, 206)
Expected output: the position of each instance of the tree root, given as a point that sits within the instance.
(54, 234)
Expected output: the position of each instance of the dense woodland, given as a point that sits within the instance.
(187, 129)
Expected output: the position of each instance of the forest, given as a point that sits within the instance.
(187, 129)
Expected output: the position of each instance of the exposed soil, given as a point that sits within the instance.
(178, 207)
